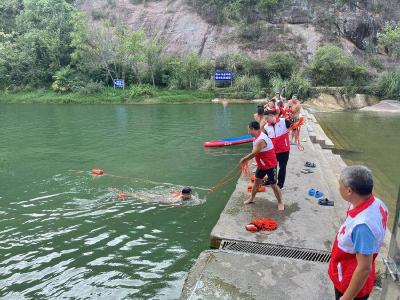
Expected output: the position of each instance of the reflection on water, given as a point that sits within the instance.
(371, 139)
(63, 234)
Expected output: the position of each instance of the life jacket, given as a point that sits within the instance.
(343, 263)
(289, 114)
(266, 158)
(279, 135)
(282, 112)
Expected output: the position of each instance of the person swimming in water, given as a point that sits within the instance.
(178, 196)
(184, 195)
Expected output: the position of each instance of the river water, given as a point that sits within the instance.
(371, 139)
(63, 232)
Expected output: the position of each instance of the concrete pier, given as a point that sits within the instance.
(252, 270)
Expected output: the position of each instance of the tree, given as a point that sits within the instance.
(281, 64)
(8, 11)
(131, 50)
(390, 39)
(331, 66)
(153, 48)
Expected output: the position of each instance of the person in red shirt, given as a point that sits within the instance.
(263, 152)
(282, 111)
(357, 243)
(277, 129)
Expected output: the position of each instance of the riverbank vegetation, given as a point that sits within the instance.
(50, 53)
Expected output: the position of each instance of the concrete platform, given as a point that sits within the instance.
(304, 223)
(226, 274)
(229, 275)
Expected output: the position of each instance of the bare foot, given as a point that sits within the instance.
(249, 201)
(281, 206)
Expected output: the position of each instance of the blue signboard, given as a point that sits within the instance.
(119, 83)
(223, 75)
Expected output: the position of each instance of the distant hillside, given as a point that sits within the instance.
(211, 29)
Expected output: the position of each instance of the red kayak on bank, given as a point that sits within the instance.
(229, 141)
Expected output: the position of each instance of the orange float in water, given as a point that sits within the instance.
(97, 172)
(261, 188)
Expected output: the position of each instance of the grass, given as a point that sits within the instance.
(107, 96)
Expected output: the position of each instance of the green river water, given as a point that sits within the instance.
(371, 139)
(63, 233)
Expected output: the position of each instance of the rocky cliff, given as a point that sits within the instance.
(295, 25)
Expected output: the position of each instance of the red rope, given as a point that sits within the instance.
(265, 224)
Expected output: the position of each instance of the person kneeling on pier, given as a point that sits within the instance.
(263, 151)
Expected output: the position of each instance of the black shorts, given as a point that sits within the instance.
(271, 173)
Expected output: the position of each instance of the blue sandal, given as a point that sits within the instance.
(311, 192)
(318, 194)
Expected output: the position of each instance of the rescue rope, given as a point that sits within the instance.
(228, 177)
(231, 175)
(141, 179)
(262, 224)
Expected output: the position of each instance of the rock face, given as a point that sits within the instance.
(392, 106)
(358, 27)
(296, 25)
(330, 99)
(357, 101)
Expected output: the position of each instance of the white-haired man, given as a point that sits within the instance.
(352, 264)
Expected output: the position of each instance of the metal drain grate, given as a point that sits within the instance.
(276, 250)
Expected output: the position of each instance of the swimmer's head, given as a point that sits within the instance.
(186, 193)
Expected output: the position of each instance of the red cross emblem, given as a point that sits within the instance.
(384, 215)
(343, 230)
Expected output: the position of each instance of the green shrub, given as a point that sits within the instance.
(207, 85)
(360, 75)
(246, 83)
(390, 39)
(276, 83)
(298, 84)
(238, 63)
(331, 66)
(281, 64)
(141, 90)
(252, 32)
(64, 80)
(98, 14)
(89, 88)
(376, 63)
(388, 85)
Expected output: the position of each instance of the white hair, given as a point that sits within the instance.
(359, 179)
